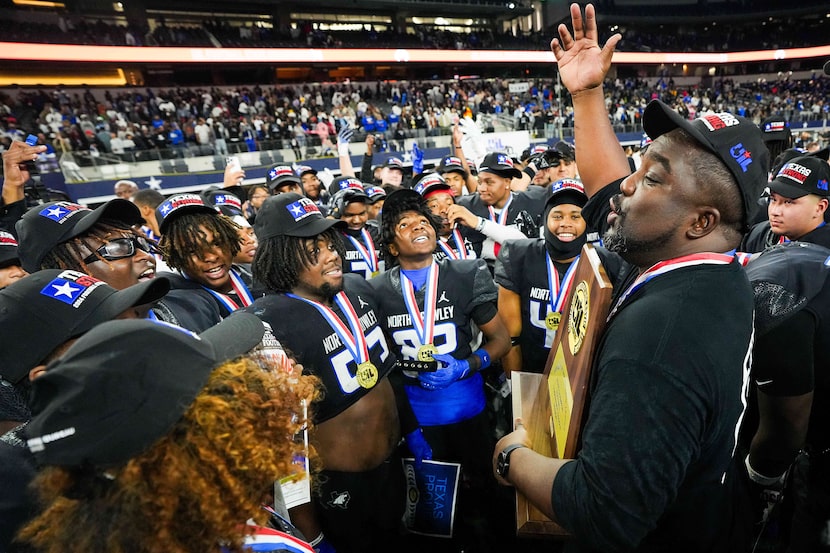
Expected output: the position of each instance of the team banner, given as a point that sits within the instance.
(430, 497)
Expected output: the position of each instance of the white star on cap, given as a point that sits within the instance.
(64, 290)
(165, 209)
(56, 211)
(297, 210)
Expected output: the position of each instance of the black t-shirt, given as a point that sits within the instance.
(521, 267)
(760, 237)
(188, 304)
(665, 397)
(303, 331)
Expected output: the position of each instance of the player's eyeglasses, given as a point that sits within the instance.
(120, 248)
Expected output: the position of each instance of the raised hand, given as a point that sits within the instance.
(582, 63)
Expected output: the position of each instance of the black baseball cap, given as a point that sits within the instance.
(290, 214)
(279, 175)
(48, 307)
(346, 183)
(735, 140)
(8, 250)
(123, 385)
(46, 226)
(375, 193)
(791, 153)
(431, 182)
(567, 191)
(448, 164)
(801, 176)
(775, 128)
(306, 169)
(394, 163)
(178, 205)
(827, 67)
(221, 199)
(499, 163)
(564, 150)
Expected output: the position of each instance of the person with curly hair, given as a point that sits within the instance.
(200, 243)
(167, 443)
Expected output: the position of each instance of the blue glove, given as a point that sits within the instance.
(322, 545)
(453, 369)
(417, 444)
(417, 159)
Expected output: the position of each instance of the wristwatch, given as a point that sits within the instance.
(503, 463)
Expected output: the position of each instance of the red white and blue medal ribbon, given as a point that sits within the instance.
(559, 291)
(241, 290)
(424, 327)
(502, 218)
(352, 336)
(669, 265)
(460, 253)
(368, 251)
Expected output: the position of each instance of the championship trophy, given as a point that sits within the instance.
(552, 404)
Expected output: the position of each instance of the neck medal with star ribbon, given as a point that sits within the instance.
(424, 327)
(241, 290)
(558, 291)
(461, 253)
(367, 252)
(663, 267)
(352, 337)
(502, 218)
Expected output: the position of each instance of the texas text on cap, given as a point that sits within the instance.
(345, 183)
(48, 307)
(290, 214)
(394, 163)
(280, 175)
(567, 191)
(8, 250)
(431, 183)
(801, 176)
(102, 405)
(46, 226)
(500, 164)
(775, 128)
(178, 205)
(227, 203)
(736, 141)
(375, 193)
(449, 164)
(305, 169)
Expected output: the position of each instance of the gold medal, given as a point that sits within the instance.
(425, 352)
(367, 374)
(552, 320)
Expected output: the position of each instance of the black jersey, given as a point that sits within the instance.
(530, 204)
(358, 249)
(792, 297)
(452, 247)
(521, 267)
(466, 297)
(303, 331)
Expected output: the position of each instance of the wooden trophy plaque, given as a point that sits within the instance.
(552, 404)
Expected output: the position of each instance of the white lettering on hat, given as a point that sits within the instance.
(719, 121)
(39, 444)
(794, 172)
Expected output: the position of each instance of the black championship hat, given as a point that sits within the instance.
(735, 140)
(375, 193)
(432, 182)
(223, 200)
(8, 250)
(827, 68)
(290, 214)
(567, 191)
(123, 385)
(499, 163)
(305, 169)
(801, 176)
(178, 205)
(394, 163)
(448, 164)
(775, 128)
(792, 153)
(346, 183)
(42, 311)
(280, 175)
(563, 150)
(46, 226)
